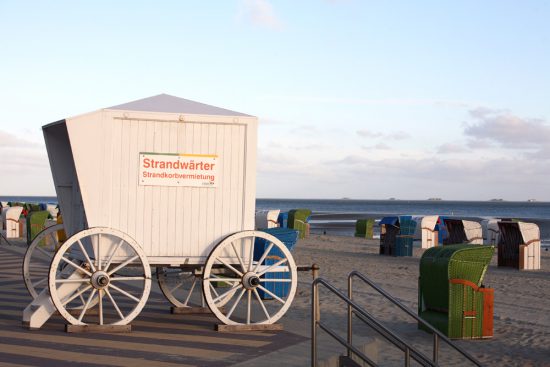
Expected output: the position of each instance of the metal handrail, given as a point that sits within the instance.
(436, 333)
(409, 350)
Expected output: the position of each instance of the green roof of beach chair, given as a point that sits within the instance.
(35, 223)
(297, 219)
(450, 297)
(299, 214)
(364, 228)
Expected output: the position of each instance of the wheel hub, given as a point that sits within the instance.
(100, 279)
(251, 280)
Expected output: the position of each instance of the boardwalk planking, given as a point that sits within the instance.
(159, 338)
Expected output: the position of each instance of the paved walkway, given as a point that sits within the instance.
(158, 337)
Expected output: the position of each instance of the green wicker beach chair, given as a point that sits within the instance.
(450, 295)
(364, 228)
(36, 223)
(298, 220)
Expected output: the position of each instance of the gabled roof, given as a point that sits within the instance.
(171, 104)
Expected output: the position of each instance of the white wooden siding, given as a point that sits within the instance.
(168, 222)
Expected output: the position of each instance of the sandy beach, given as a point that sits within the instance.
(521, 320)
(522, 303)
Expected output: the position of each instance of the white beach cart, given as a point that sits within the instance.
(160, 182)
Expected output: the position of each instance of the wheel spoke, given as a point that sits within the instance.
(81, 280)
(264, 255)
(82, 299)
(98, 260)
(100, 296)
(236, 303)
(286, 280)
(213, 289)
(190, 292)
(271, 294)
(77, 294)
(127, 278)
(86, 255)
(251, 253)
(112, 254)
(220, 279)
(223, 295)
(230, 267)
(124, 292)
(114, 303)
(39, 282)
(41, 250)
(77, 267)
(280, 262)
(87, 304)
(249, 296)
(261, 303)
(238, 257)
(178, 286)
(123, 265)
(54, 240)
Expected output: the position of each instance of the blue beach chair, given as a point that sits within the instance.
(289, 238)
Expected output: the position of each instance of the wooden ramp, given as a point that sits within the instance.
(159, 338)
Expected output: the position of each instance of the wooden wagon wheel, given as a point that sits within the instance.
(182, 288)
(114, 268)
(231, 265)
(37, 259)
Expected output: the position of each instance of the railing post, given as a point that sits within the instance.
(314, 320)
(350, 330)
(436, 348)
(407, 357)
(315, 273)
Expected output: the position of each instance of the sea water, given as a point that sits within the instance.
(337, 217)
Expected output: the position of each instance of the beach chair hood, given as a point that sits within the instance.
(429, 222)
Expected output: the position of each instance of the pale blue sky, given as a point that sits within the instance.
(360, 99)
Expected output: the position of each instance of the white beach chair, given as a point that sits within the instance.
(11, 222)
(473, 231)
(272, 216)
(429, 234)
(529, 252)
(52, 209)
(267, 219)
